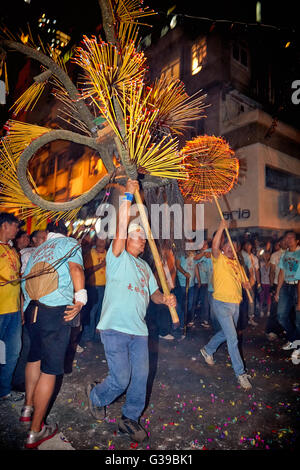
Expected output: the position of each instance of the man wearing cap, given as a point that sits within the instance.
(129, 285)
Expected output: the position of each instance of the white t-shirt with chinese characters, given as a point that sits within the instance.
(275, 258)
(129, 285)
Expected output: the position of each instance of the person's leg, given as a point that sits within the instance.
(214, 321)
(227, 315)
(41, 397)
(10, 333)
(117, 356)
(32, 375)
(180, 296)
(219, 337)
(19, 373)
(89, 316)
(285, 304)
(136, 392)
(191, 304)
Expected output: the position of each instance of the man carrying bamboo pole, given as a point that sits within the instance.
(129, 285)
(227, 295)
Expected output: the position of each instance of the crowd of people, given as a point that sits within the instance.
(60, 295)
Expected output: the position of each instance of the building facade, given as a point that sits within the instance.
(237, 71)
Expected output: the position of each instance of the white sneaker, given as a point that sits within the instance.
(208, 359)
(289, 345)
(244, 382)
(168, 337)
(252, 322)
(262, 313)
(268, 314)
(79, 349)
(296, 357)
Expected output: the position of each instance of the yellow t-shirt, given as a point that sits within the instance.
(9, 270)
(91, 259)
(226, 280)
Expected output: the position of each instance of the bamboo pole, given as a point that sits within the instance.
(242, 271)
(155, 254)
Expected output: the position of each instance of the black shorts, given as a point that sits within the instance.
(49, 337)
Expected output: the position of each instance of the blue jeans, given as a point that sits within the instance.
(10, 333)
(227, 315)
(93, 312)
(286, 305)
(202, 300)
(179, 292)
(128, 362)
(214, 322)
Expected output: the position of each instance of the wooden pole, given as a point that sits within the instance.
(242, 271)
(155, 253)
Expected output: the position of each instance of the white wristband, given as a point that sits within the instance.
(81, 296)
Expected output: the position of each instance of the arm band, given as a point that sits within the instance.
(81, 296)
(128, 197)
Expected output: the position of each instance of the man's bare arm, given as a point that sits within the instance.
(119, 242)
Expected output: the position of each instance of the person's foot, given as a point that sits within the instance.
(133, 429)
(26, 414)
(205, 324)
(262, 313)
(289, 345)
(34, 439)
(13, 396)
(98, 412)
(271, 336)
(79, 349)
(244, 382)
(208, 359)
(167, 337)
(268, 314)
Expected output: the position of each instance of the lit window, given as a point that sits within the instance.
(172, 70)
(199, 53)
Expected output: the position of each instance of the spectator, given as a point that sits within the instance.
(36, 239)
(186, 270)
(265, 296)
(251, 262)
(21, 241)
(286, 292)
(94, 264)
(203, 275)
(273, 328)
(10, 314)
(227, 295)
(49, 311)
(122, 324)
(18, 383)
(160, 312)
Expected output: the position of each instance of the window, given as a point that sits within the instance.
(172, 70)
(282, 180)
(199, 52)
(240, 54)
